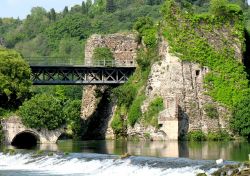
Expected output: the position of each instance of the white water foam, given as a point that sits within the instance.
(58, 165)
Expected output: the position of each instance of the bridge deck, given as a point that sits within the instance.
(101, 72)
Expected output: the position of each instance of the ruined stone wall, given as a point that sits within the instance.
(181, 86)
(124, 48)
(14, 126)
(122, 45)
(179, 83)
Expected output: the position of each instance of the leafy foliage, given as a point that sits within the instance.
(147, 30)
(211, 110)
(240, 122)
(42, 111)
(227, 82)
(218, 136)
(102, 53)
(134, 113)
(118, 123)
(125, 94)
(74, 122)
(196, 136)
(14, 79)
(153, 110)
(51, 29)
(131, 94)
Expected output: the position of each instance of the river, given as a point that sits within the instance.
(165, 158)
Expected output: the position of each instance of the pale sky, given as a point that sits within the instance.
(21, 8)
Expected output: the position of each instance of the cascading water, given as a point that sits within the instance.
(101, 165)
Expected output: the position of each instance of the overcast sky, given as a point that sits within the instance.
(21, 8)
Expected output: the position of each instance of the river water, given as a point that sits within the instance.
(91, 158)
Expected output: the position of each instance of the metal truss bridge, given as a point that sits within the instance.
(60, 71)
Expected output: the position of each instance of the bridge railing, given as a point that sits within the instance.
(60, 61)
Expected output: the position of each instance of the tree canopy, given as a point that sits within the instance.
(14, 79)
(42, 111)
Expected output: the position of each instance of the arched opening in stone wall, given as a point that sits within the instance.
(25, 140)
(64, 136)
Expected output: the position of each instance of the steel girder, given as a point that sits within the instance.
(70, 75)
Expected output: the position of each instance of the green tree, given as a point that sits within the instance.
(76, 9)
(14, 79)
(36, 22)
(110, 6)
(84, 8)
(72, 113)
(240, 121)
(65, 11)
(218, 7)
(143, 23)
(52, 15)
(102, 53)
(88, 5)
(42, 111)
(37, 46)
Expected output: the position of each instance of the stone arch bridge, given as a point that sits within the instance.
(17, 134)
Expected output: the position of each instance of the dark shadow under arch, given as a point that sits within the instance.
(25, 140)
(64, 136)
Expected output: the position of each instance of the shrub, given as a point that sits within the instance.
(143, 60)
(150, 37)
(42, 111)
(218, 7)
(143, 23)
(134, 113)
(240, 121)
(125, 94)
(72, 113)
(218, 136)
(118, 123)
(196, 136)
(103, 53)
(153, 110)
(211, 110)
(147, 30)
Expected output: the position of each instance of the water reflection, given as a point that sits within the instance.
(234, 150)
